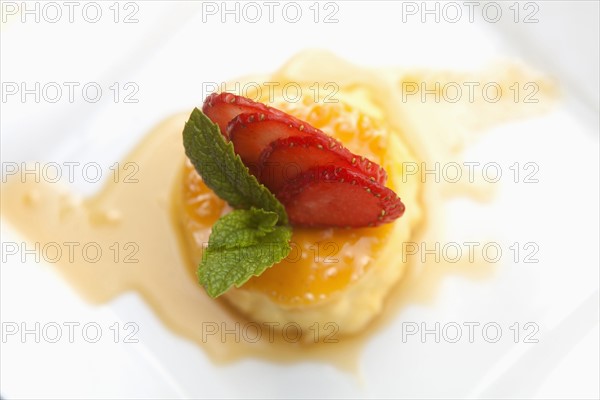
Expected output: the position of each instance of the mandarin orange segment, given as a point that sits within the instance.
(322, 264)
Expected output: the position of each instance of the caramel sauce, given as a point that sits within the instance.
(162, 270)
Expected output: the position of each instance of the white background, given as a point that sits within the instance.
(170, 51)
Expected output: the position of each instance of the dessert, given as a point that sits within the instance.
(151, 235)
(327, 165)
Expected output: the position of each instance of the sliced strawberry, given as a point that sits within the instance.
(286, 158)
(253, 133)
(254, 138)
(335, 196)
(223, 107)
(320, 182)
(369, 168)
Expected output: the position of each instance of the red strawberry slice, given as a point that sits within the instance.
(252, 133)
(320, 182)
(369, 168)
(286, 158)
(335, 196)
(254, 138)
(223, 107)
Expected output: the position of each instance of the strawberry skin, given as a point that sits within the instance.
(318, 180)
(263, 140)
(223, 107)
(252, 133)
(339, 197)
(286, 158)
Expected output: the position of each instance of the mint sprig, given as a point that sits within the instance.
(243, 243)
(247, 241)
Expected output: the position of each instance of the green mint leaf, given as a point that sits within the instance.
(247, 241)
(222, 169)
(243, 243)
